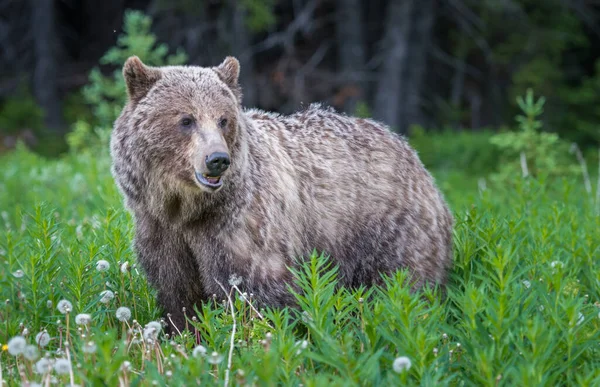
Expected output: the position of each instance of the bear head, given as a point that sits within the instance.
(185, 120)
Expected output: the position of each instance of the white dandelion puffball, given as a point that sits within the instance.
(401, 364)
(199, 351)
(152, 330)
(215, 358)
(18, 274)
(62, 366)
(106, 296)
(31, 352)
(235, 280)
(527, 284)
(42, 366)
(83, 319)
(42, 339)
(124, 267)
(123, 314)
(64, 306)
(102, 265)
(556, 264)
(89, 347)
(16, 345)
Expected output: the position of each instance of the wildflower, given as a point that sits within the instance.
(302, 346)
(106, 296)
(126, 366)
(31, 352)
(235, 280)
(18, 274)
(83, 319)
(169, 373)
(42, 339)
(123, 314)
(16, 345)
(49, 304)
(125, 267)
(556, 264)
(580, 318)
(64, 306)
(62, 366)
(401, 364)
(42, 366)
(102, 265)
(5, 347)
(215, 358)
(199, 351)
(152, 330)
(89, 347)
(527, 284)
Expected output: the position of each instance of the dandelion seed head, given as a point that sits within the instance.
(49, 304)
(235, 280)
(556, 264)
(42, 366)
(199, 351)
(16, 345)
(42, 339)
(83, 319)
(106, 296)
(102, 265)
(123, 313)
(580, 318)
(215, 358)
(126, 366)
(527, 284)
(31, 352)
(64, 306)
(125, 267)
(401, 364)
(89, 347)
(62, 366)
(18, 274)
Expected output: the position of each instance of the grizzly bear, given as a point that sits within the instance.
(218, 191)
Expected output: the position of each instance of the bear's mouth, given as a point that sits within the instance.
(213, 182)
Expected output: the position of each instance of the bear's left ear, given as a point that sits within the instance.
(229, 72)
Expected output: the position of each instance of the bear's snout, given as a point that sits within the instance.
(217, 163)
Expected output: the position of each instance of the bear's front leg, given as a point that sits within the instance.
(170, 267)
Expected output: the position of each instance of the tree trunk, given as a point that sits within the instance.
(390, 87)
(351, 50)
(414, 72)
(45, 73)
(240, 48)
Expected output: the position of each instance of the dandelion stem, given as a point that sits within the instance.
(232, 343)
(71, 376)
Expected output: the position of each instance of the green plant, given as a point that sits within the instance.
(530, 151)
(20, 112)
(106, 94)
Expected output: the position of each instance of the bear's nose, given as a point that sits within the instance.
(217, 163)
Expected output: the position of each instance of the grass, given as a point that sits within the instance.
(522, 305)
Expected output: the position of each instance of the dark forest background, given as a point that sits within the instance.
(436, 64)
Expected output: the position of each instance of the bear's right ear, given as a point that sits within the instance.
(139, 78)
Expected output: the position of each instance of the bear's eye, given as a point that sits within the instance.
(186, 122)
(222, 123)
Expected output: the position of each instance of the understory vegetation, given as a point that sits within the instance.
(521, 307)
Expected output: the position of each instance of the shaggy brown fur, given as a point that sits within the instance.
(312, 180)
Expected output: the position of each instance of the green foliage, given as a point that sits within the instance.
(531, 151)
(107, 94)
(260, 14)
(468, 152)
(20, 112)
(519, 307)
